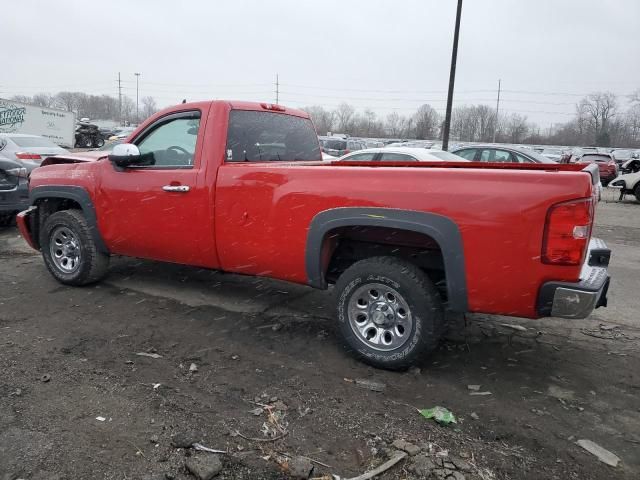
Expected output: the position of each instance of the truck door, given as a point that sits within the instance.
(161, 211)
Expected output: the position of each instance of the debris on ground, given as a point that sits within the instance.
(204, 466)
(183, 440)
(519, 328)
(439, 414)
(45, 378)
(475, 388)
(299, 468)
(100, 419)
(604, 455)
(474, 415)
(405, 446)
(256, 411)
(367, 384)
(377, 471)
(150, 355)
(193, 368)
(202, 448)
(480, 393)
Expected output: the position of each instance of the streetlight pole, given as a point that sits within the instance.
(452, 79)
(137, 95)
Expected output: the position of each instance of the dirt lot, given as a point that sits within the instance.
(76, 401)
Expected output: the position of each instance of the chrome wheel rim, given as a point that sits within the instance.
(380, 317)
(65, 250)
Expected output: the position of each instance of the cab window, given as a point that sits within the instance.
(468, 154)
(255, 136)
(172, 143)
(396, 157)
(361, 157)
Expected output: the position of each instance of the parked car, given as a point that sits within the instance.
(337, 147)
(606, 164)
(623, 155)
(29, 150)
(401, 154)
(122, 133)
(501, 154)
(413, 144)
(400, 243)
(14, 189)
(554, 154)
(629, 180)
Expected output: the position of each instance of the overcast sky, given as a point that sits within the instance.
(383, 54)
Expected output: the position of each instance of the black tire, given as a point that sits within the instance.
(98, 142)
(7, 219)
(415, 290)
(636, 191)
(92, 264)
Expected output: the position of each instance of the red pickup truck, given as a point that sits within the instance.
(241, 187)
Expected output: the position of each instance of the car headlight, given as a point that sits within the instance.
(618, 183)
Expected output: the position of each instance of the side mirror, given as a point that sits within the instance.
(127, 154)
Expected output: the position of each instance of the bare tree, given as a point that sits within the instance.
(45, 100)
(149, 106)
(344, 114)
(322, 119)
(427, 121)
(598, 108)
(21, 99)
(517, 128)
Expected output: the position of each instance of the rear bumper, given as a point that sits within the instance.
(15, 199)
(579, 299)
(24, 222)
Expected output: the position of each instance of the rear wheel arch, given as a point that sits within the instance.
(441, 229)
(51, 199)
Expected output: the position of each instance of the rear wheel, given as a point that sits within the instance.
(69, 250)
(98, 142)
(389, 312)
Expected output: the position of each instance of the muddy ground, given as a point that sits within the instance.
(69, 356)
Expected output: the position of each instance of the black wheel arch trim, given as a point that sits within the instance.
(80, 196)
(442, 229)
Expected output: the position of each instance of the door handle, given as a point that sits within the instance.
(176, 188)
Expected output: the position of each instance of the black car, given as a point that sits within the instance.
(501, 154)
(14, 190)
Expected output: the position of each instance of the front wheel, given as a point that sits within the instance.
(636, 191)
(98, 142)
(69, 250)
(389, 312)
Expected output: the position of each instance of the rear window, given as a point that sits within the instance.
(33, 142)
(594, 158)
(335, 144)
(266, 136)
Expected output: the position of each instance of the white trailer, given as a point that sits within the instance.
(56, 125)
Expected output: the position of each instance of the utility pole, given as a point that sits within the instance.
(277, 89)
(452, 79)
(137, 92)
(495, 126)
(119, 98)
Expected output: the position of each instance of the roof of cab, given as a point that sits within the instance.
(236, 105)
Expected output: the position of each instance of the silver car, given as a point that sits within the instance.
(29, 150)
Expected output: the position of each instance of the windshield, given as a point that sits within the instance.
(33, 142)
(269, 136)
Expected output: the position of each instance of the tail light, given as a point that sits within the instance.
(28, 156)
(567, 232)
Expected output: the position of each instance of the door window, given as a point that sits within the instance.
(173, 143)
(501, 156)
(468, 154)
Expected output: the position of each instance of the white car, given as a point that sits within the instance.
(401, 154)
(629, 181)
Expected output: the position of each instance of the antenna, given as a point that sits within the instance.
(119, 98)
(277, 89)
